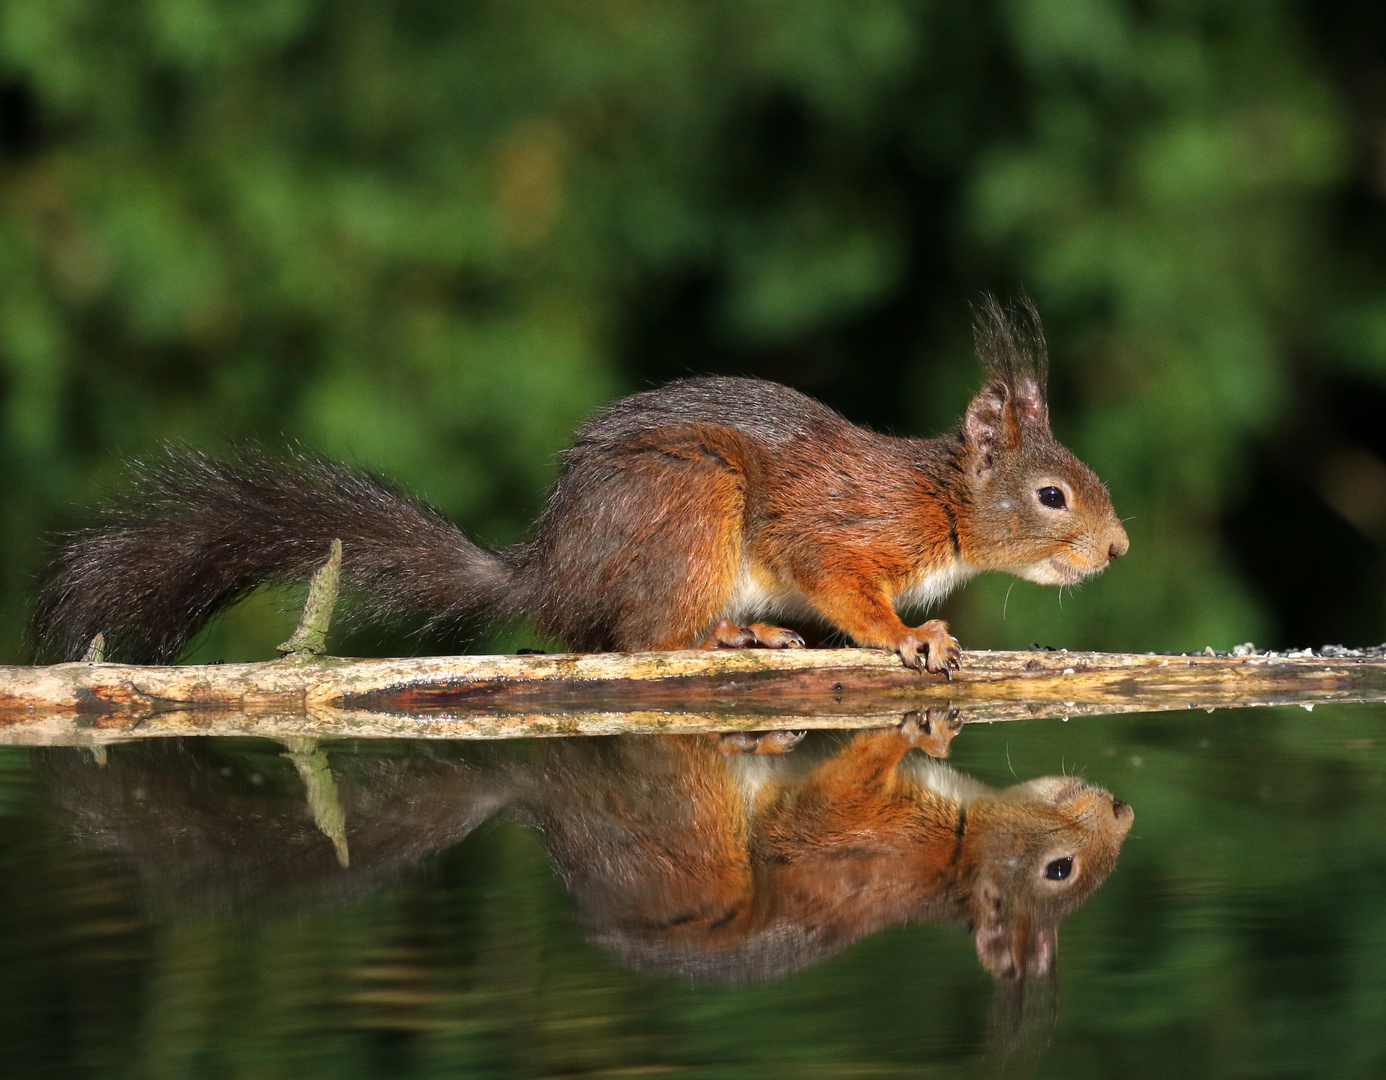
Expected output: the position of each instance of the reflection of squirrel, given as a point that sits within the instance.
(679, 511)
(747, 868)
(678, 856)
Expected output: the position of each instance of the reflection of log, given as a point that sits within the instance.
(492, 696)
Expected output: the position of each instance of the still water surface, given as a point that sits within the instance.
(177, 912)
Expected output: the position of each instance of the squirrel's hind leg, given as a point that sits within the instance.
(640, 553)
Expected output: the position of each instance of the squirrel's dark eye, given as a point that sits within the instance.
(1059, 869)
(1052, 497)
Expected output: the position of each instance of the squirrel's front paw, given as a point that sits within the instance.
(931, 648)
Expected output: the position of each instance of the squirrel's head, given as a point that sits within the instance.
(1034, 509)
(1034, 852)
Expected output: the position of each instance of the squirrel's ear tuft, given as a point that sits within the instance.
(1012, 349)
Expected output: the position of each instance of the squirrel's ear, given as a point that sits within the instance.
(990, 427)
(1013, 946)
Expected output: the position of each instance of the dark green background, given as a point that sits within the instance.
(431, 236)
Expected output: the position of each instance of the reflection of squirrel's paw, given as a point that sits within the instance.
(727, 635)
(931, 648)
(933, 730)
(759, 742)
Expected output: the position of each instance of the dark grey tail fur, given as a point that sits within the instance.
(197, 533)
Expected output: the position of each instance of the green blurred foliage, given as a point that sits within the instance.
(432, 236)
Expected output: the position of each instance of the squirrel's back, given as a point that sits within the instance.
(765, 413)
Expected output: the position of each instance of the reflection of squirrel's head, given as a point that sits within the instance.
(835, 848)
(1031, 854)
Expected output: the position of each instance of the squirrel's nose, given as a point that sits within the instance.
(1119, 547)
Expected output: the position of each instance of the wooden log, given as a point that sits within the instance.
(562, 694)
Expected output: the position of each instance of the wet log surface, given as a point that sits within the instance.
(570, 694)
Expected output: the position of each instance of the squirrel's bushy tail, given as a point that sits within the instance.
(196, 533)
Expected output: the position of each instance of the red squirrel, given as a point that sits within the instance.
(679, 514)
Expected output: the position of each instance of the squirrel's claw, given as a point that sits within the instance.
(908, 652)
(775, 637)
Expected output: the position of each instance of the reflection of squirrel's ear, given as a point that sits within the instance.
(1011, 945)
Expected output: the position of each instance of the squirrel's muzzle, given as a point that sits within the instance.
(1120, 544)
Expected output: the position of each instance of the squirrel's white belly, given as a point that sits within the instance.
(934, 585)
(758, 594)
(943, 780)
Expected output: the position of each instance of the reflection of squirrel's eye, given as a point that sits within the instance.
(1059, 869)
(1052, 497)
